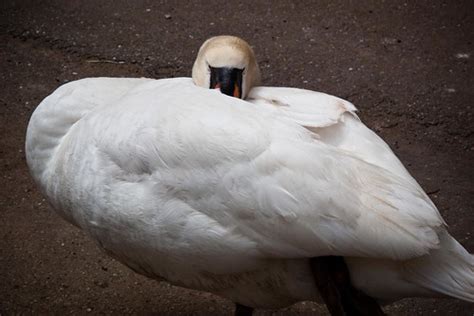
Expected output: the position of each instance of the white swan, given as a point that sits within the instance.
(233, 197)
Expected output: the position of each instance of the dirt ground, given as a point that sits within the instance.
(406, 66)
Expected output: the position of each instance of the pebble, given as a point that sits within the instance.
(463, 55)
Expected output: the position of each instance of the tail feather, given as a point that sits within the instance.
(448, 270)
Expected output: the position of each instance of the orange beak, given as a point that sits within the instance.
(237, 91)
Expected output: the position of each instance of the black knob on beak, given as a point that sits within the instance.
(228, 80)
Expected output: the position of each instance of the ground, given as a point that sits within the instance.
(406, 66)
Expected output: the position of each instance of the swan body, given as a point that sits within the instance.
(234, 196)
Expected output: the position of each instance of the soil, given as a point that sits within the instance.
(406, 66)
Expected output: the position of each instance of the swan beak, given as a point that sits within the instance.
(228, 80)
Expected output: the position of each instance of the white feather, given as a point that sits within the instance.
(233, 197)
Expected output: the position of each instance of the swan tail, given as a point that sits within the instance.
(448, 270)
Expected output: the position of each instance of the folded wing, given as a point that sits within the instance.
(264, 178)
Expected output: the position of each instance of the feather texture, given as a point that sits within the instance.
(229, 196)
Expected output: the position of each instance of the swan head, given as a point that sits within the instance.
(226, 63)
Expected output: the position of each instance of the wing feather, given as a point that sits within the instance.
(307, 108)
(333, 205)
(257, 175)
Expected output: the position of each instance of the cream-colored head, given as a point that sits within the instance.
(224, 61)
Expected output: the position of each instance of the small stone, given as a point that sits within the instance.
(390, 41)
(463, 55)
(167, 16)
